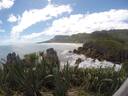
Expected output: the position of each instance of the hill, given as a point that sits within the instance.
(120, 35)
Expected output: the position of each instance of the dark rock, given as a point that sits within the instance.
(51, 57)
(75, 51)
(12, 58)
(70, 51)
(78, 61)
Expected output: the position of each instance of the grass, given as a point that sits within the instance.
(37, 79)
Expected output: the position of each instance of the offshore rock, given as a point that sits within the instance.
(51, 56)
(12, 58)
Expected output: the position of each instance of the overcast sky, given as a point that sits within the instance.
(39, 20)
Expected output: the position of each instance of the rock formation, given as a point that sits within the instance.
(51, 56)
(12, 58)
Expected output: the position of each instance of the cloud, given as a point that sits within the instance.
(113, 19)
(12, 18)
(89, 22)
(49, 1)
(30, 17)
(31, 36)
(4, 4)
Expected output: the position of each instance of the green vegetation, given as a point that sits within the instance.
(106, 45)
(109, 45)
(33, 76)
(117, 35)
(38, 79)
(109, 50)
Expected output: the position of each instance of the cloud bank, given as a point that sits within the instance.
(89, 22)
(113, 19)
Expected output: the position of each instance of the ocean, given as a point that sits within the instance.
(62, 51)
(22, 49)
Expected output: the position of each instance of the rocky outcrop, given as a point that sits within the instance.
(104, 51)
(12, 58)
(51, 56)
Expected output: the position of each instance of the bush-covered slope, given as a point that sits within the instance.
(120, 35)
(107, 45)
(76, 38)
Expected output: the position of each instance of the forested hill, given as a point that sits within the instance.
(119, 35)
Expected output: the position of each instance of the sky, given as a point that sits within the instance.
(39, 20)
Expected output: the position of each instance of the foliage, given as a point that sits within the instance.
(17, 78)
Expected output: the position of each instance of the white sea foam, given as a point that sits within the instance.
(87, 62)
